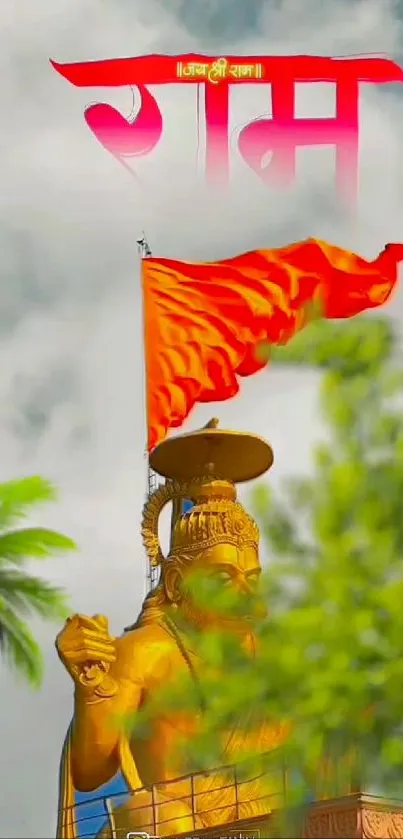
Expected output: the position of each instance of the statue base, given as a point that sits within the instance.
(351, 817)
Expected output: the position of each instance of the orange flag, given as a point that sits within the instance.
(203, 321)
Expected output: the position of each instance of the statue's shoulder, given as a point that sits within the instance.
(144, 652)
(146, 643)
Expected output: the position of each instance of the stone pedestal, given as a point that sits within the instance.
(352, 817)
(355, 817)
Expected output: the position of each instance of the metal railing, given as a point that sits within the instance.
(203, 801)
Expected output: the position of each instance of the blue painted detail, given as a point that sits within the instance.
(186, 506)
(90, 808)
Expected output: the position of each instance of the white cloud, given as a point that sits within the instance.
(71, 390)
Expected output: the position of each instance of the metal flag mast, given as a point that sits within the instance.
(178, 506)
(144, 251)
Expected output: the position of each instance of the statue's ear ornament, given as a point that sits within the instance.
(170, 491)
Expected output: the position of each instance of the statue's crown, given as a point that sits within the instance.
(216, 517)
(203, 468)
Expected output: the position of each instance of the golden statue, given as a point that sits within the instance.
(115, 676)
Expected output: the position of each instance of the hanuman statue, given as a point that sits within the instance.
(114, 677)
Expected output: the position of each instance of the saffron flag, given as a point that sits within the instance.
(204, 321)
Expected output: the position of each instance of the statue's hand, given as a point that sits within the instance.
(87, 652)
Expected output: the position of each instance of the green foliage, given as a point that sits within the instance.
(330, 651)
(22, 594)
(17, 498)
(351, 347)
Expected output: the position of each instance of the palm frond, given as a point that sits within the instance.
(19, 496)
(32, 542)
(26, 594)
(23, 595)
(18, 645)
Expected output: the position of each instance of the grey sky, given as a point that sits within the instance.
(71, 404)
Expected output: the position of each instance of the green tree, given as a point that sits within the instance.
(21, 593)
(330, 659)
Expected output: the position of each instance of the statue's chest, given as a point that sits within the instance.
(179, 674)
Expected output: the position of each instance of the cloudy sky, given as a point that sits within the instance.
(71, 400)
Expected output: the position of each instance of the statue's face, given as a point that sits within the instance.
(237, 568)
(231, 567)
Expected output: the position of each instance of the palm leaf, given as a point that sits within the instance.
(17, 497)
(32, 542)
(26, 594)
(18, 645)
(23, 595)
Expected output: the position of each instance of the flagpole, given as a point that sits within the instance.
(144, 251)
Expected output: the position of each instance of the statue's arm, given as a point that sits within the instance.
(98, 719)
